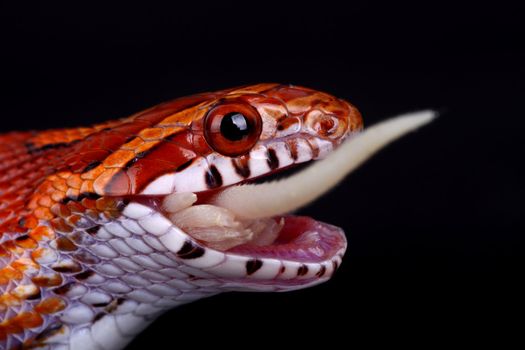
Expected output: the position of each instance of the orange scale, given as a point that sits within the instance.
(25, 291)
(109, 183)
(30, 222)
(43, 213)
(53, 177)
(170, 130)
(88, 203)
(92, 214)
(93, 173)
(72, 193)
(152, 134)
(8, 300)
(13, 248)
(26, 242)
(40, 254)
(74, 181)
(25, 265)
(134, 143)
(87, 187)
(146, 146)
(60, 210)
(64, 244)
(59, 225)
(50, 305)
(57, 196)
(118, 159)
(104, 203)
(8, 273)
(3, 252)
(28, 320)
(74, 219)
(45, 201)
(10, 327)
(42, 233)
(75, 207)
(51, 280)
(46, 187)
(184, 118)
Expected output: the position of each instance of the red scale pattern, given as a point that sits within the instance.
(42, 177)
(54, 184)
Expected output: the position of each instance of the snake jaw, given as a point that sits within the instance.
(305, 252)
(214, 232)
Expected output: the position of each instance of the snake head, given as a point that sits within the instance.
(237, 137)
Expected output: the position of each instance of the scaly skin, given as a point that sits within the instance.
(87, 256)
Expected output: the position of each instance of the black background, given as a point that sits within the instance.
(434, 222)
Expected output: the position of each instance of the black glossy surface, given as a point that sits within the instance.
(435, 222)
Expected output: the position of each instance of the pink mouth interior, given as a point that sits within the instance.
(301, 239)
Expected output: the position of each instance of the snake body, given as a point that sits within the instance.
(89, 251)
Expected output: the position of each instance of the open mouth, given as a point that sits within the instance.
(283, 236)
(292, 247)
(245, 230)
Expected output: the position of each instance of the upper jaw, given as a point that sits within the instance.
(317, 131)
(285, 152)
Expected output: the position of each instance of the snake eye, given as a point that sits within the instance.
(232, 129)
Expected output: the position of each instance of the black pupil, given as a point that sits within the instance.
(235, 126)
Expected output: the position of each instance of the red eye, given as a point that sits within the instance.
(232, 129)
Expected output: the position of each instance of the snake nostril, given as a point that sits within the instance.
(324, 125)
